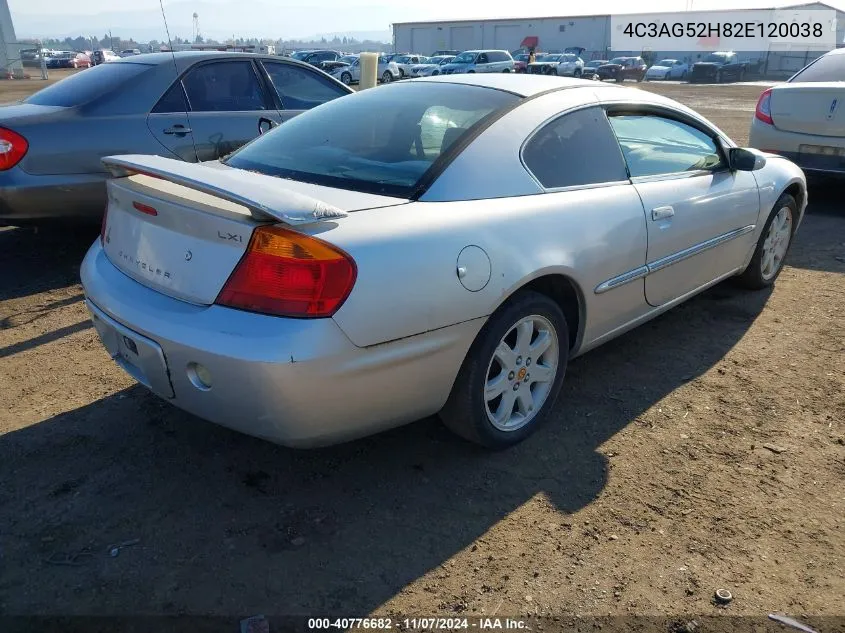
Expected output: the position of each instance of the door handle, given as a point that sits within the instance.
(661, 213)
(179, 130)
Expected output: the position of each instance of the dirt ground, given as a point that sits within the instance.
(704, 450)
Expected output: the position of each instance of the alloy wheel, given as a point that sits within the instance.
(521, 373)
(776, 243)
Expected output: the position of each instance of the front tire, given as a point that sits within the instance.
(512, 373)
(577, 73)
(772, 247)
(346, 78)
(386, 78)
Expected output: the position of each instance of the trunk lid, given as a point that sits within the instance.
(810, 108)
(181, 228)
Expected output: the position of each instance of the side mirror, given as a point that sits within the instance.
(743, 159)
(265, 125)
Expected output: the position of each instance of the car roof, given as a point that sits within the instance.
(184, 59)
(524, 85)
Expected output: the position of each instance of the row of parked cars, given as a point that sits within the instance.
(715, 67)
(85, 59)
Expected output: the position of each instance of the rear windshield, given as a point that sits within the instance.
(85, 86)
(825, 68)
(381, 140)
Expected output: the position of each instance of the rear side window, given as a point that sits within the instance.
(825, 68)
(378, 141)
(575, 149)
(172, 101)
(301, 89)
(87, 85)
(224, 87)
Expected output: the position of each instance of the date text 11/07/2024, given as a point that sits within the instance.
(417, 624)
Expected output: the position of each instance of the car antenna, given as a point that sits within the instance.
(173, 56)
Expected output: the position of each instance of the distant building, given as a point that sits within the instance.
(555, 33)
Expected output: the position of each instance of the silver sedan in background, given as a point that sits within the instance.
(448, 253)
(432, 66)
(804, 118)
(190, 105)
(387, 71)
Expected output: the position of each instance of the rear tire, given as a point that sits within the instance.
(577, 73)
(772, 247)
(494, 401)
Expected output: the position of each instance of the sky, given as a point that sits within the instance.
(222, 19)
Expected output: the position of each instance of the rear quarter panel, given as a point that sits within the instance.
(407, 259)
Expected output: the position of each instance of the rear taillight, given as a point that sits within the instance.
(764, 107)
(13, 147)
(103, 225)
(286, 273)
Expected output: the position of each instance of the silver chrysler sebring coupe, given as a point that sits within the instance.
(448, 253)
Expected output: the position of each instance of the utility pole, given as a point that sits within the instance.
(111, 41)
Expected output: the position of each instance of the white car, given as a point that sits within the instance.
(406, 62)
(432, 66)
(668, 69)
(804, 118)
(441, 245)
(486, 61)
(570, 66)
(387, 71)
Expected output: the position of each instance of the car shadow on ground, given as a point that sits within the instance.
(38, 260)
(820, 241)
(233, 525)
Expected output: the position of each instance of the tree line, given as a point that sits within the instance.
(118, 43)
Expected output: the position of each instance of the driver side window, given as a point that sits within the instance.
(653, 145)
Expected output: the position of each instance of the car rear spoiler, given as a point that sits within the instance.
(265, 197)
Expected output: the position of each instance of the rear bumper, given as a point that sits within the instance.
(26, 198)
(297, 382)
(767, 137)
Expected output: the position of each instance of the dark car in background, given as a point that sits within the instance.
(317, 58)
(68, 59)
(441, 53)
(622, 68)
(718, 67)
(590, 70)
(191, 105)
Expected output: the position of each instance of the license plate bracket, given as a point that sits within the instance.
(139, 356)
